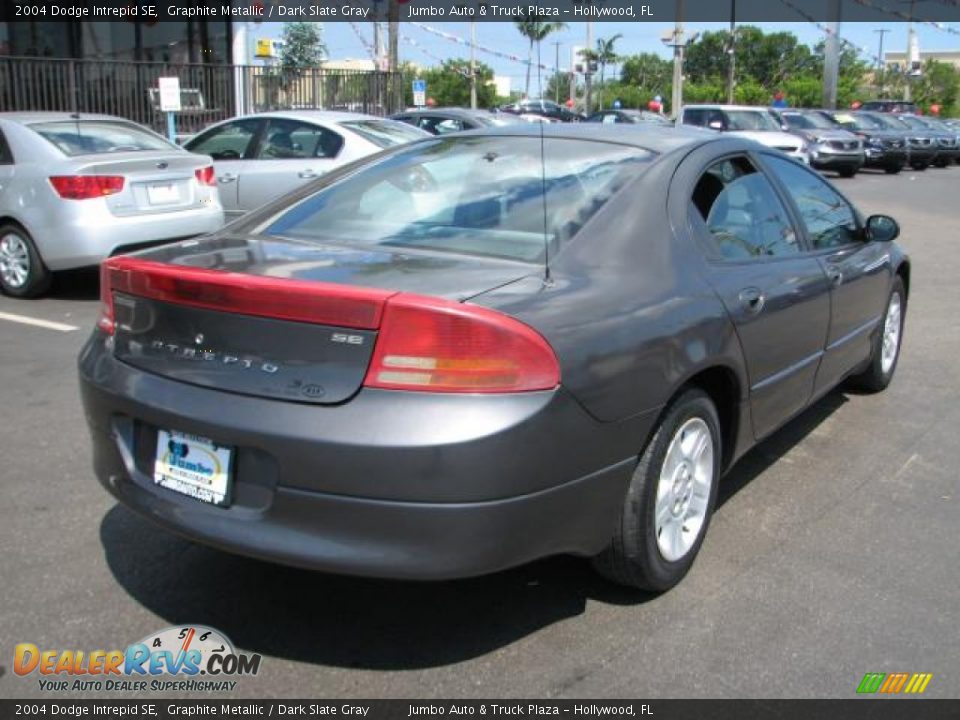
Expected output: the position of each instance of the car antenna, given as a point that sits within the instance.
(543, 184)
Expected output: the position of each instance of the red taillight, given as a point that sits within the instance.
(280, 298)
(106, 320)
(205, 175)
(426, 344)
(84, 187)
(436, 345)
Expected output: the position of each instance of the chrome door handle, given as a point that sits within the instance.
(752, 300)
(836, 275)
(226, 178)
(307, 174)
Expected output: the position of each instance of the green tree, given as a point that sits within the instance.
(449, 84)
(604, 54)
(303, 46)
(535, 31)
(938, 84)
(769, 59)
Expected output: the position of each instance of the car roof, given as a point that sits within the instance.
(720, 106)
(330, 116)
(27, 117)
(649, 136)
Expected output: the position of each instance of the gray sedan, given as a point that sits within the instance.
(488, 347)
(260, 157)
(75, 189)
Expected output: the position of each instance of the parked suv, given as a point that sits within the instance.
(754, 123)
(883, 148)
(829, 146)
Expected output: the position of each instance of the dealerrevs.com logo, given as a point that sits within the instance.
(184, 659)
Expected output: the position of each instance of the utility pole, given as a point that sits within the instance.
(831, 57)
(588, 75)
(473, 64)
(732, 52)
(676, 101)
(913, 50)
(556, 73)
(393, 32)
(881, 63)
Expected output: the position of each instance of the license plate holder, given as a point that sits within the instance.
(194, 466)
(163, 193)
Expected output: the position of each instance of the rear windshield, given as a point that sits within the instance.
(490, 196)
(750, 120)
(96, 137)
(384, 133)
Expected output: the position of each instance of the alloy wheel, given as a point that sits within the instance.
(14, 260)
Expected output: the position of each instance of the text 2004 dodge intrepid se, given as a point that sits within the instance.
(472, 351)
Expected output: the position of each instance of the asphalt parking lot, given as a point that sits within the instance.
(833, 553)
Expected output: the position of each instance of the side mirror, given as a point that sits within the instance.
(882, 228)
(715, 125)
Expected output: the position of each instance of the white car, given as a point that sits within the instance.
(746, 121)
(77, 188)
(258, 158)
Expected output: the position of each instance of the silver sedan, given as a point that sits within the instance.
(260, 157)
(75, 189)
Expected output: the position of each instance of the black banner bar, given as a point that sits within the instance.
(152, 11)
(144, 707)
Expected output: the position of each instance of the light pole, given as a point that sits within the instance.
(881, 63)
(473, 64)
(587, 74)
(831, 57)
(675, 39)
(556, 73)
(732, 51)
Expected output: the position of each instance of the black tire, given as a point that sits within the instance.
(942, 163)
(37, 279)
(920, 166)
(893, 169)
(633, 557)
(847, 172)
(875, 378)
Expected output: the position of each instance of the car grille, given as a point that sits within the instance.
(920, 142)
(947, 142)
(893, 143)
(845, 144)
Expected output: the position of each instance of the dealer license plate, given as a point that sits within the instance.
(193, 466)
(163, 194)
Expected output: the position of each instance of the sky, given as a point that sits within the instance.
(343, 42)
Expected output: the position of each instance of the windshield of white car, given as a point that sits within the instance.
(803, 121)
(384, 133)
(493, 196)
(95, 137)
(750, 120)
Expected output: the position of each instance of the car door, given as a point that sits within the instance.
(290, 154)
(859, 271)
(231, 145)
(775, 293)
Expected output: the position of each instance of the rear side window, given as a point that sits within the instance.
(6, 157)
(231, 141)
(489, 196)
(383, 133)
(829, 220)
(292, 139)
(742, 212)
(695, 116)
(95, 137)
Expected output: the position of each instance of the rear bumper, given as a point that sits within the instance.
(85, 235)
(393, 485)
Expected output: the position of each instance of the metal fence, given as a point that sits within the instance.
(209, 93)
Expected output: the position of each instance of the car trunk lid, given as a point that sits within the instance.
(154, 181)
(272, 318)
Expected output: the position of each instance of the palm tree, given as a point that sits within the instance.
(604, 55)
(535, 31)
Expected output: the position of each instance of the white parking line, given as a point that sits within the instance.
(48, 324)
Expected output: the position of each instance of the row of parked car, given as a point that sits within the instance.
(840, 140)
(75, 189)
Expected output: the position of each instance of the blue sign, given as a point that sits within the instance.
(419, 86)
